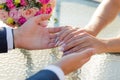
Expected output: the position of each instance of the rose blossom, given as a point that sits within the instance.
(23, 2)
(14, 13)
(44, 1)
(10, 4)
(22, 20)
(41, 11)
(3, 15)
(30, 12)
(48, 10)
(19, 11)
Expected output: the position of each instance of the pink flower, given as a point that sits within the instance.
(48, 10)
(3, 15)
(44, 1)
(39, 12)
(19, 11)
(10, 4)
(23, 2)
(22, 20)
(30, 12)
(14, 14)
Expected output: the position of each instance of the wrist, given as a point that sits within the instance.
(16, 38)
(61, 67)
(105, 46)
(113, 45)
(90, 29)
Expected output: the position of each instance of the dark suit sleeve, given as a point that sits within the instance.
(3, 40)
(44, 75)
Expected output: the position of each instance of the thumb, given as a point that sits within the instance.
(42, 17)
(42, 20)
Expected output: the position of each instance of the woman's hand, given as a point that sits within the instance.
(73, 40)
(84, 41)
(67, 33)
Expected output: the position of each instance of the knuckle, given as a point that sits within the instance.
(90, 38)
(72, 34)
(87, 37)
(85, 34)
(82, 30)
(76, 49)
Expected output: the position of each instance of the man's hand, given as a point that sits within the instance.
(33, 35)
(72, 62)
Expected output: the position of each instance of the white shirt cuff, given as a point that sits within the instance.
(9, 35)
(9, 38)
(57, 71)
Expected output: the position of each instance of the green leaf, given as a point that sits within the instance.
(38, 5)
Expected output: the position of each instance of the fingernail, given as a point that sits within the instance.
(57, 43)
(65, 53)
(61, 48)
(61, 43)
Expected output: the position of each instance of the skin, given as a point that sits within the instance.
(33, 35)
(101, 18)
(74, 61)
(84, 40)
(72, 40)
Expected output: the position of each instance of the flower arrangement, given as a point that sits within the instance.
(17, 12)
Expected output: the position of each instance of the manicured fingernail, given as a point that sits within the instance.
(57, 43)
(61, 43)
(65, 53)
(61, 48)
